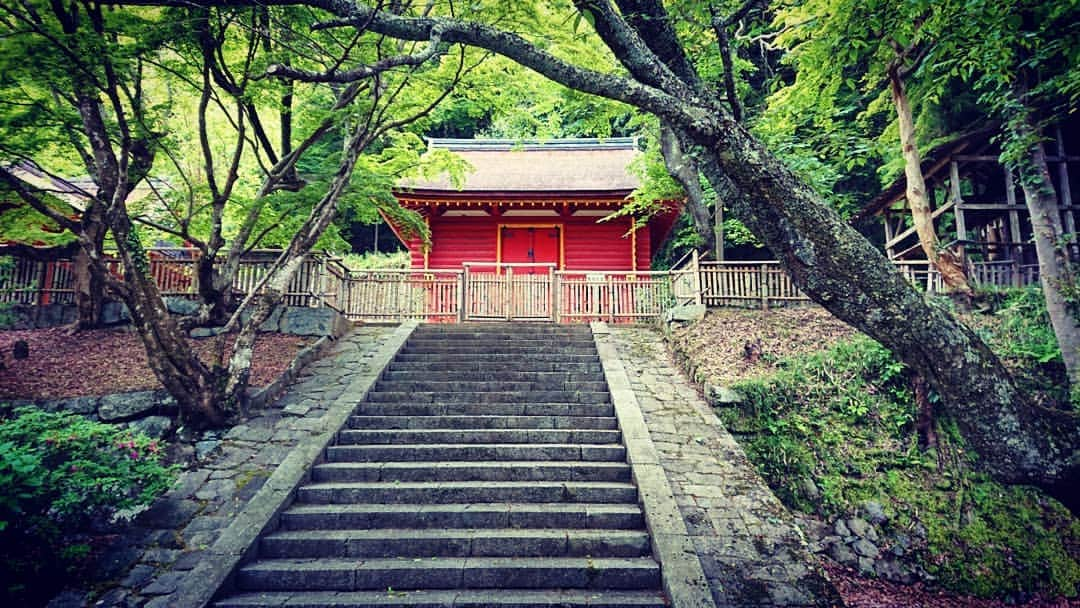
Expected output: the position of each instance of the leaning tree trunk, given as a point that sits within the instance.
(947, 263)
(847, 275)
(1055, 269)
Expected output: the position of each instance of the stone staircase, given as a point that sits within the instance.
(485, 468)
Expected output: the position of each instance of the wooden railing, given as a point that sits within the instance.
(486, 291)
(40, 283)
(616, 297)
(399, 295)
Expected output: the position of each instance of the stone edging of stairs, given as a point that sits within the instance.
(199, 587)
(683, 577)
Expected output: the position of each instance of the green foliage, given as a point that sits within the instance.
(1023, 330)
(71, 470)
(1018, 330)
(844, 418)
(376, 260)
(60, 474)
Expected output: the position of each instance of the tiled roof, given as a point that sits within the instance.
(506, 165)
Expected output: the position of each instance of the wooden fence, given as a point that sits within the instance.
(486, 291)
(40, 283)
(767, 285)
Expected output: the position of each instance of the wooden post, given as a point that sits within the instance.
(889, 250)
(958, 201)
(763, 286)
(508, 294)
(556, 295)
(461, 295)
(48, 269)
(610, 300)
(323, 277)
(1014, 229)
(694, 262)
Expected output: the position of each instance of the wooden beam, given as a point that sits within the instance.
(888, 233)
(903, 235)
(957, 200)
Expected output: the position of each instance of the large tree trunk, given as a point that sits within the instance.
(1055, 270)
(214, 297)
(846, 274)
(196, 388)
(947, 263)
(89, 279)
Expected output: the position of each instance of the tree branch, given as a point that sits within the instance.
(288, 72)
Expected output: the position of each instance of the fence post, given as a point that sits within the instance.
(610, 300)
(321, 297)
(763, 285)
(697, 277)
(1017, 280)
(555, 295)
(461, 295)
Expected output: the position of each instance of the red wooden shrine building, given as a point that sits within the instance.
(533, 202)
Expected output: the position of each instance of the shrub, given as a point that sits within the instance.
(844, 418)
(60, 475)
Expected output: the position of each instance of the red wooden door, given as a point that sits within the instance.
(530, 245)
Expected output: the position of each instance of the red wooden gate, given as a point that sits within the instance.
(510, 292)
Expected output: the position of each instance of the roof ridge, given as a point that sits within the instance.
(558, 143)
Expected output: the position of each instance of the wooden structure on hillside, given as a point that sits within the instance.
(979, 208)
(539, 203)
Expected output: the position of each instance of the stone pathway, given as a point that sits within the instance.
(749, 547)
(751, 551)
(162, 544)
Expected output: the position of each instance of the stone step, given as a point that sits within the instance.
(485, 375)
(482, 422)
(390, 408)
(496, 366)
(505, 349)
(491, 328)
(450, 573)
(456, 598)
(466, 491)
(460, 358)
(378, 396)
(466, 542)
(502, 340)
(463, 515)
(413, 436)
(477, 452)
(494, 385)
(472, 471)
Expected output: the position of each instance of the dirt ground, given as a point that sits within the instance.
(105, 361)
